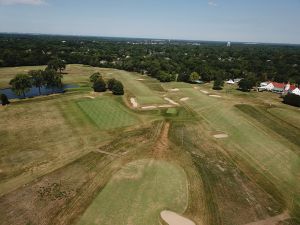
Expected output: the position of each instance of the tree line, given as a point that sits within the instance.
(164, 60)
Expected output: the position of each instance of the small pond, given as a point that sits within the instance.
(33, 92)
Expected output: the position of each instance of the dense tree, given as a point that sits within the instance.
(194, 77)
(110, 83)
(21, 84)
(99, 85)
(247, 83)
(292, 99)
(4, 100)
(57, 65)
(37, 78)
(94, 77)
(118, 88)
(218, 84)
(52, 79)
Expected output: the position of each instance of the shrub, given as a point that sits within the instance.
(111, 83)
(4, 100)
(292, 99)
(118, 88)
(218, 84)
(99, 85)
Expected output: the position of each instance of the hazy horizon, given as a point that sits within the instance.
(204, 20)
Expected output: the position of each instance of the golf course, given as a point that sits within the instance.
(93, 158)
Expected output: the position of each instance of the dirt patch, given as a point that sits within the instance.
(272, 220)
(140, 79)
(220, 136)
(215, 96)
(171, 101)
(150, 107)
(174, 90)
(184, 99)
(172, 218)
(205, 92)
(134, 102)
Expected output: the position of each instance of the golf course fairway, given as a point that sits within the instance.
(138, 193)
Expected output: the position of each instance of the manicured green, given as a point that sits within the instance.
(138, 193)
(107, 113)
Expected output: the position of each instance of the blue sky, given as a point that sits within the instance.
(225, 20)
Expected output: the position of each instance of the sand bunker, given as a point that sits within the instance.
(149, 107)
(196, 88)
(134, 102)
(174, 89)
(215, 96)
(140, 79)
(184, 99)
(219, 136)
(172, 218)
(171, 101)
(205, 92)
(165, 106)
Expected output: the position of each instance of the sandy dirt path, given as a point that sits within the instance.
(172, 218)
(162, 144)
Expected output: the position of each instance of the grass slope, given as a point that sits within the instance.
(138, 193)
(107, 113)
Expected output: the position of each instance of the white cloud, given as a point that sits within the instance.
(212, 3)
(23, 2)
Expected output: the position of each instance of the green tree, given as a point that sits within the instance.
(21, 84)
(118, 88)
(94, 77)
(37, 78)
(292, 99)
(57, 65)
(218, 84)
(4, 100)
(194, 76)
(110, 83)
(99, 85)
(247, 83)
(52, 79)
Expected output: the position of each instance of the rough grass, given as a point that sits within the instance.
(138, 193)
(107, 113)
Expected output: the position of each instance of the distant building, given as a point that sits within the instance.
(228, 44)
(296, 91)
(230, 82)
(280, 88)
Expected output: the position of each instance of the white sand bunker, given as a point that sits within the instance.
(184, 99)
(205, 92)
(171, 101)
(215, 96)
(134, 102)
(174, 89)
(140, 79)
(172, 218)
(220, 136)
(165, 106)
(196, 88)
(149, 107)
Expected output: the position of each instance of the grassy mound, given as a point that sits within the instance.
(138, 193)
(107, 113)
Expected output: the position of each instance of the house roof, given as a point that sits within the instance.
(292, 87)
(278, 85)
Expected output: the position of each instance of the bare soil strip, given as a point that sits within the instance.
(205, 92)
(172, 218)
(171, 101)
(165, 106)
(91, 97)
(273, 220)
(174, 90)
(162, 143)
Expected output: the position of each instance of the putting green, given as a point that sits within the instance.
(138, 193)
(107, 113)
